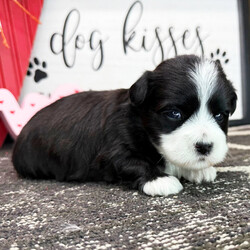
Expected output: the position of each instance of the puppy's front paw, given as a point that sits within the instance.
(163, 186)
(197, 176)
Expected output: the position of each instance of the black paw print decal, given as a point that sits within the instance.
(218, 56)
(38, 69)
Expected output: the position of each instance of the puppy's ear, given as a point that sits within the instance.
(233, 96)
(218, 64)
(233, 102)
(139, 89)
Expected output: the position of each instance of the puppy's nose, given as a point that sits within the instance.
(203, 148)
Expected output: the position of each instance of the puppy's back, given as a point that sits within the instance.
(62, 140)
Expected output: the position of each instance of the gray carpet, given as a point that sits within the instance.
(52, 215)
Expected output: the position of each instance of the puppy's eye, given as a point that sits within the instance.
(173, 114)
(219, 117)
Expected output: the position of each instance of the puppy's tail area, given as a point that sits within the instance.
(18, 161)
(26, 164)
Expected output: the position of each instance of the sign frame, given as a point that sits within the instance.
(244, 27)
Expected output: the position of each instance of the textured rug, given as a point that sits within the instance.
(52, 215)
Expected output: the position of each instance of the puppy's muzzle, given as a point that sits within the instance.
(204, 148)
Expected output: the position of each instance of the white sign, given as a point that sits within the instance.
(108, 44)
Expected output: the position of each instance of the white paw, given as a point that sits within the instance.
(197, 176)
(163, 186)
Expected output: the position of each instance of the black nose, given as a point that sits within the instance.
(203, 148)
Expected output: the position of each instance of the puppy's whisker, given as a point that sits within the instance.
(229, 155)
(159, 160)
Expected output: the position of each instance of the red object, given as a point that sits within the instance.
(19, 30)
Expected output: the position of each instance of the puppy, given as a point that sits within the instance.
(171, 123)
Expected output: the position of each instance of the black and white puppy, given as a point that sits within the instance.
(172, 122)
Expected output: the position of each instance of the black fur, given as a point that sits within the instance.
(109, 135)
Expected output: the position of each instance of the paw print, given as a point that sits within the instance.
(38, 69)
(217, 56)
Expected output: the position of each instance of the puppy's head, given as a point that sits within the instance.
(184, 105)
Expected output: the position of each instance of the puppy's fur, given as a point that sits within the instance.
(172, 122)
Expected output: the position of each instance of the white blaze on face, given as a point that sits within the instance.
(178, 147)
